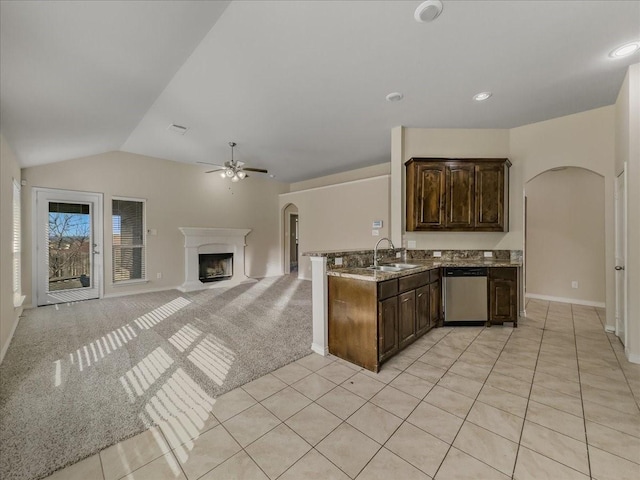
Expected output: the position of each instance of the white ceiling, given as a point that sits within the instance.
(299, 85)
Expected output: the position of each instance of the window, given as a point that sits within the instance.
(128, 240)
(16, 246)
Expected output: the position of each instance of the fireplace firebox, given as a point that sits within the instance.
(215, 266)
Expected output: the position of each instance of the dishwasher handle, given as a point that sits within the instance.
(465, 271)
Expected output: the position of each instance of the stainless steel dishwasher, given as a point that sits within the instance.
(465, 295)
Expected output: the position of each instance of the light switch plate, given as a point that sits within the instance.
(398, 255)
(375, 233)
(338, 261)
(488, 254)
(437, 254)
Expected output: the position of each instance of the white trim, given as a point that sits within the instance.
(575, 301)
(320, 305)
(126, 283)
(153, 290)
(609, 329)
(5, 347)
(324, 351)
(350, 182)
(632, 357)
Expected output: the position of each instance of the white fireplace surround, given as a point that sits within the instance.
(199, 240)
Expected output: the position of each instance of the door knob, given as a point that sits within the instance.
(619, 267)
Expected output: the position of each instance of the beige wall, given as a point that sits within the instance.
(339, 217)
(455, 143)
(177, 195)
(9, 170)
(584, 140)
(565, 235)
(627, 146)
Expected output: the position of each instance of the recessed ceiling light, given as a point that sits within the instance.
(428, 11)
(479, 97)
(625, 50)
(394, 97)
(179, 129)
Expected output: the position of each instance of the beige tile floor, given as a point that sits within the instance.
(553, 399)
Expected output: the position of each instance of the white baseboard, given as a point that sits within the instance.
(609, 329)
(575, 301)
(320, 350)
(5, 347)
(139, 292)
(632, 357)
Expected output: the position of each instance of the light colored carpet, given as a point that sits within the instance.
(83, 376)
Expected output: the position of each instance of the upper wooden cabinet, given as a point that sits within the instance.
(457, 194)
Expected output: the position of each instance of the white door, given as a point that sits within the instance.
(620, 233)
(68, 246)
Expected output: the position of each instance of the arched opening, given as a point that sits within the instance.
(291, 236)
(565, 236)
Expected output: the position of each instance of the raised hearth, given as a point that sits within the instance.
(222, 241)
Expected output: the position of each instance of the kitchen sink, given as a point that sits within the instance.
(393, 267)
(402, 266)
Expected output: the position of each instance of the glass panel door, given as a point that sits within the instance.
(67, 247)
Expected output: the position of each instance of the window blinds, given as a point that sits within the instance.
(128, 240)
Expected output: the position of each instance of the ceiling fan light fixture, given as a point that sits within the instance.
(235, 178)
(241, 175)
(229, 172)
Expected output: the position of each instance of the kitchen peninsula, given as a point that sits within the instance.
(369, 315)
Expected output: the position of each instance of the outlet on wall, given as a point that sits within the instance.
(437, 254)
(159, 275)
(574, 284)
(337, 261)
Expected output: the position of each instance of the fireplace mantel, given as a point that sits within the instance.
(199, 240)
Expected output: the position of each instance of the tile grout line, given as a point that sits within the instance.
(526, 411)
(584, 415)
(474, 401)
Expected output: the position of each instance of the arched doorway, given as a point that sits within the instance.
(291, 239)
(565, 236)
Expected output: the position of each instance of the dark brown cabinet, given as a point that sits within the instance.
(369, 322)
(387, 327)
(406, 318)
(435, 303)
(460, 196)
(423, 319)
(503, 295)
(457, 194)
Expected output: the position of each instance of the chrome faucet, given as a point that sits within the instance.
(375, 250)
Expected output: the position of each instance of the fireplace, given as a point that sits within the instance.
(215, 266)
(213, 257)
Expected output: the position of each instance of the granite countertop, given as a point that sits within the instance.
(424, 265)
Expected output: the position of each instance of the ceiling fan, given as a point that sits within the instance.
(233, 169)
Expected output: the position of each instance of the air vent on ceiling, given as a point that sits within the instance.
(179, 129)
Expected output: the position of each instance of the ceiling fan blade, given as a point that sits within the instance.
(216, 170)
(259, 170)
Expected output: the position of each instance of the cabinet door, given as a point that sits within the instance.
(422, 309)
(387, 327)
(407, 318)
(460, 196)
(435, 295)
(490, 197)
(425, 196)
(503, 295)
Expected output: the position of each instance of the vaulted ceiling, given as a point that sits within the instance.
(299, 85)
